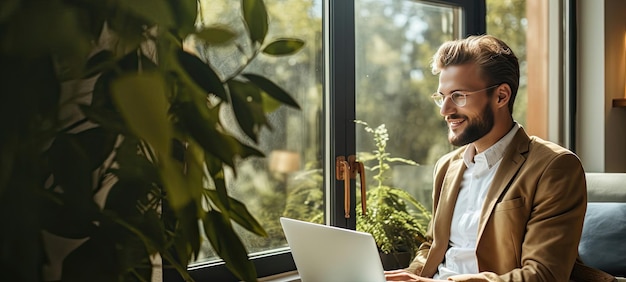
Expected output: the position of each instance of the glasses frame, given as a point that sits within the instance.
(439, 98)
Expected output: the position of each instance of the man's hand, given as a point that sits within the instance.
(403, 275)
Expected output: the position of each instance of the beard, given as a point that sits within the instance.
(475, 129)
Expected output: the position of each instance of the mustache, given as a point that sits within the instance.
(456, 116)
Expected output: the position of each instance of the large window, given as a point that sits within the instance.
(363, 59)
(288, 181)
(395, 41)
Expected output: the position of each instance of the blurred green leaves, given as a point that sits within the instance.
(141, 99)
(285, 46)
(151, 137)
(255, 16)
(216, 35)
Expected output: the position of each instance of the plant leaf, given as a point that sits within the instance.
(248, 151)
(79, 265)
(184, 13)
(241, 149)
(222, 201)
(153, 229)
(194, 160)
(283, 46)
(124, 196)
(153, 11)
(73, 154)
(106, 118)
(255, 17)
(8, 8)
(402, 160)
(228, 246)
(240, 214)
(99, 62)
(216, 35)
(188, 220)
(175, 183)
(247, 105)
(269, 104)
(68, 220)
(407, 197)
(132, 61)
(129, 26)
(142, 102)
(272, 89)
(202, 74)
(132, 166)
(203, 129)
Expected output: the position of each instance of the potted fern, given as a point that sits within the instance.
(396, 220)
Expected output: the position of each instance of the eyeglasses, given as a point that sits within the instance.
(458, 98)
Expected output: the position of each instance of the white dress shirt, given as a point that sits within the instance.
(460, 257)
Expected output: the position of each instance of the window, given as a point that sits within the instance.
(507, 21)
(287, 182)
(368, 55)
(395, 41)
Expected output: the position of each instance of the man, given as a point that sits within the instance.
(507, 207)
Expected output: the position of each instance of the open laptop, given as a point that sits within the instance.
(326, 253)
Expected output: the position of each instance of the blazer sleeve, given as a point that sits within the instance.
(420, 259)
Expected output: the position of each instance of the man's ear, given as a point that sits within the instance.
(503, 95)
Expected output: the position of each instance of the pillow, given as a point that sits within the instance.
(603, 242)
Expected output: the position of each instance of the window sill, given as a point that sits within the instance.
(291, 276)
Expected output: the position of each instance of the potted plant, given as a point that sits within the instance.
(149, 138)
(396, 220)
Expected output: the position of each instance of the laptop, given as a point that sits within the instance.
(327, 253)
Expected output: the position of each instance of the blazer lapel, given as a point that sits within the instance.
(511, 163)
(443, 219)
(449, 194)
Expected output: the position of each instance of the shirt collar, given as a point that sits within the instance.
(494, 153)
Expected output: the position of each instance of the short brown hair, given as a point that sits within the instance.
(494, 59)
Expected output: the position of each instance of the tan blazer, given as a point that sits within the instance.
(531, 220)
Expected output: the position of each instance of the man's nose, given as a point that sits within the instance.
(448, 107)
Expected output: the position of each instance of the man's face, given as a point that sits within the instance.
(475, 119)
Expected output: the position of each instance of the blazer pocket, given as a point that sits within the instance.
(510, 204)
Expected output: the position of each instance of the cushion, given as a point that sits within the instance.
(606, 187)
(603, 242)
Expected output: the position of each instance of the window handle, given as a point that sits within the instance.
(346, 170)
(358, 167)
(342, 172)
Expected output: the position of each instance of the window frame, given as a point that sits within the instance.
(341, 83)
(339, 136)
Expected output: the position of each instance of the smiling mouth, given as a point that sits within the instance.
(455, 123)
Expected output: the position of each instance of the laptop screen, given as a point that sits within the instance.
(327, 253)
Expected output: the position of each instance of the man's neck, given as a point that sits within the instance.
(497, 132)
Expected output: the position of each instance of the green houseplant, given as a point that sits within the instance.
(396, 220)
(150, 134)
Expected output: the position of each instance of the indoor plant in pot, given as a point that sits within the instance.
(396, 220)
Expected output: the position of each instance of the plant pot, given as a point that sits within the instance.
(396, 260)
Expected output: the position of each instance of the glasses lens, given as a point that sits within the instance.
(438, 99)
(458, 98)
